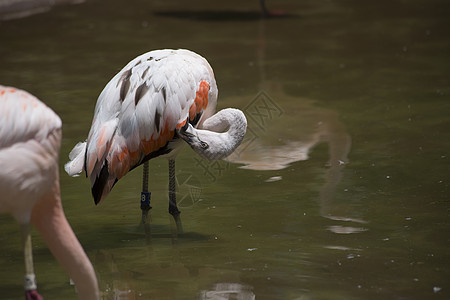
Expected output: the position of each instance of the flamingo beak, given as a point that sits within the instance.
(189, 134)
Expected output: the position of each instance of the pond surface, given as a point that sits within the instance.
(340, 190)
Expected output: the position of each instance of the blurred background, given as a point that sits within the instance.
(339, 191)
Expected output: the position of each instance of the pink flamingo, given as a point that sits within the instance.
(30, 139)
(154, 103)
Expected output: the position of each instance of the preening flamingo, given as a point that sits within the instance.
(154, 103)
(30, 139)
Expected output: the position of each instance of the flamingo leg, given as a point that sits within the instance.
(264, 10)
(145, 194)
(173, 209)
(30, 278)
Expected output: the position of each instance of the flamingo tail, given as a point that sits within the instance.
(76, 164)
(103, 184)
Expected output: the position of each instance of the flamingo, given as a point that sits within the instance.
(158, 102)
(30, 139)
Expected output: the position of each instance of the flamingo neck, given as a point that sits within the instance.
(219, 135)
(49, 219)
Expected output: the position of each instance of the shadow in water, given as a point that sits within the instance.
(155, 231)
(174, 235)
(221, 15)
(126, 236)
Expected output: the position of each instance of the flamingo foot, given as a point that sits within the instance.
(276, 13)
(33, 295)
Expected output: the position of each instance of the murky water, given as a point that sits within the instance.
(340, 190)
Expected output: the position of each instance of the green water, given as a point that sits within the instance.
(345, 190)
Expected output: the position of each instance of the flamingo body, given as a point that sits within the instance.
(30, 139)
(138, 113)
(29, 132)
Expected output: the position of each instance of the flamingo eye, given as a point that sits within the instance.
(204, 145)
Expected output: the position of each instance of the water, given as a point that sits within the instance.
(340, 190)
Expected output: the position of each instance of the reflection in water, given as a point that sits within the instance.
(120, 286)
(228, 291)
(284, 129)
(345, 229)
(258, 155)
(147, 274)
(302, 126)
(24, 8)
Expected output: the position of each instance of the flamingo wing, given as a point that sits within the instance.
(139, 109)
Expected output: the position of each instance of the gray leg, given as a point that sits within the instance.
(145, 195)
(173, 209)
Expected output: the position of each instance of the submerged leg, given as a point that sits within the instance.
(173, 209)
(145, 195)
(30, 278)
